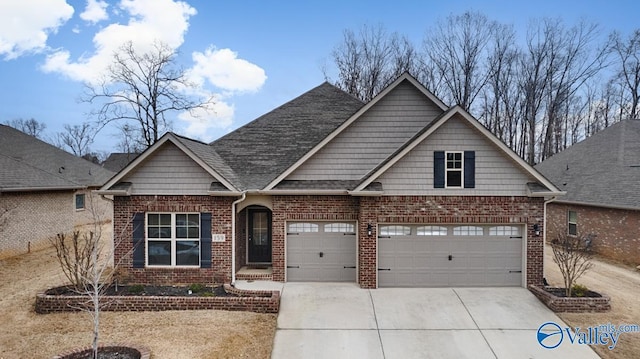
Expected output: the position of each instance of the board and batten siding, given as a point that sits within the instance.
(372, 137)
(496, 173)
(169, 172)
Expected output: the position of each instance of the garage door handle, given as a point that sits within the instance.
(293, 266)
(384, 269)
(515, 271)
(354, 267)
(450, 257)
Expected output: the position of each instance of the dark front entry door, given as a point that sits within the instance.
(259, 236)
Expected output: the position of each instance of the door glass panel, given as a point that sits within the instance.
(260, 235)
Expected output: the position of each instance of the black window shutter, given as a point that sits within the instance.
(469, 169)
(205, 240)
(438, 169)
(138, 240)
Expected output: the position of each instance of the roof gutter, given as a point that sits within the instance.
(41, 189)
(318, 192)
(233, 236)
(226, 193)
(578, 203)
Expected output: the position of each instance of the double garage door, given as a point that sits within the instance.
(409, 255)
(449, 256)
(321, 251)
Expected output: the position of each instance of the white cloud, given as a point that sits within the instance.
(95, 11)
(223, 69)
(199, 122)
(25, 25)
(149, 21)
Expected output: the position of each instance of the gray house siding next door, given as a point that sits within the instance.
(450, 256)
(321, 252)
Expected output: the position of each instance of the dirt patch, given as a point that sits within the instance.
(170, 334)
(622, 284)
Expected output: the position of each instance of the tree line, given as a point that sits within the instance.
(539, 95)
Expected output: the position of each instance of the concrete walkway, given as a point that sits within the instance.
(340, 320)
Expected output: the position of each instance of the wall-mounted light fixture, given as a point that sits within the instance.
(369, 229)
(536, 229)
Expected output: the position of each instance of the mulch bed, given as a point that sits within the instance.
(560, 292)
(148, 290)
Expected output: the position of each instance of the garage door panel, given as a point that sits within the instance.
(423, 260)
(319, 255)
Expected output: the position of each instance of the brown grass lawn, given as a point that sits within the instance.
(619, 282)
(173, 334)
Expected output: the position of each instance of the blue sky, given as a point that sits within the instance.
(253, 55)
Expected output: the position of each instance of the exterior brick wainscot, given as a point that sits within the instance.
(245, 300)
(573, 304)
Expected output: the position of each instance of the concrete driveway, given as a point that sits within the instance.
(340, 320)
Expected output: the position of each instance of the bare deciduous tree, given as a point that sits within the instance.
(457, 49)
(573, 257)
(369, 61)
(627, 57)
(88, 266)
(76, 138)
(142, 89)
(31, 126)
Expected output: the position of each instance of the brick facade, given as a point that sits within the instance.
(617, 230)
(364, 210)
(126, 207)
(32, 218)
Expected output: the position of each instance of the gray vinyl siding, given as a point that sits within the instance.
(496, 173)
(169, 172)
(372, 137)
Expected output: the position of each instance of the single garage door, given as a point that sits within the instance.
(449, 256)
(321, 251)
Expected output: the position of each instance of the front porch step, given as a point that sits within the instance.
(255, 273)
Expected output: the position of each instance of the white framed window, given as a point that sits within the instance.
(340, 228)
(454, 165)
(173, 239)
(80, 201)
(467, 231)
(431, 231)
(303, 228)
(572, 223)
(504, 231)
(395, 230)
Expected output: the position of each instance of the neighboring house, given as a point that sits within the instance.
(400, 191)
(118, 160)
(601, 176)
(44, 191)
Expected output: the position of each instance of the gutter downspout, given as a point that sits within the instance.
(233, 237)
(544, 233)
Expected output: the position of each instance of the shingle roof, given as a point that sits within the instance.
(27, 163)
(117, 161)
(264, 148)
(602, 170)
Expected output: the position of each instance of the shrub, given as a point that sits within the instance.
(136, 288)
(197, 287)
(579, 290)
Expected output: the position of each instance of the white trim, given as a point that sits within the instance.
(353, 118)
(168, 137)
(470, 120)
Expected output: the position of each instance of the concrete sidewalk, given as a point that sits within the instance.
(340, 320)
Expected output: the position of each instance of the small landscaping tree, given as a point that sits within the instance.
(573, 256)
(88, 266)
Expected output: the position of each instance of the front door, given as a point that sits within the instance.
(259, 241)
